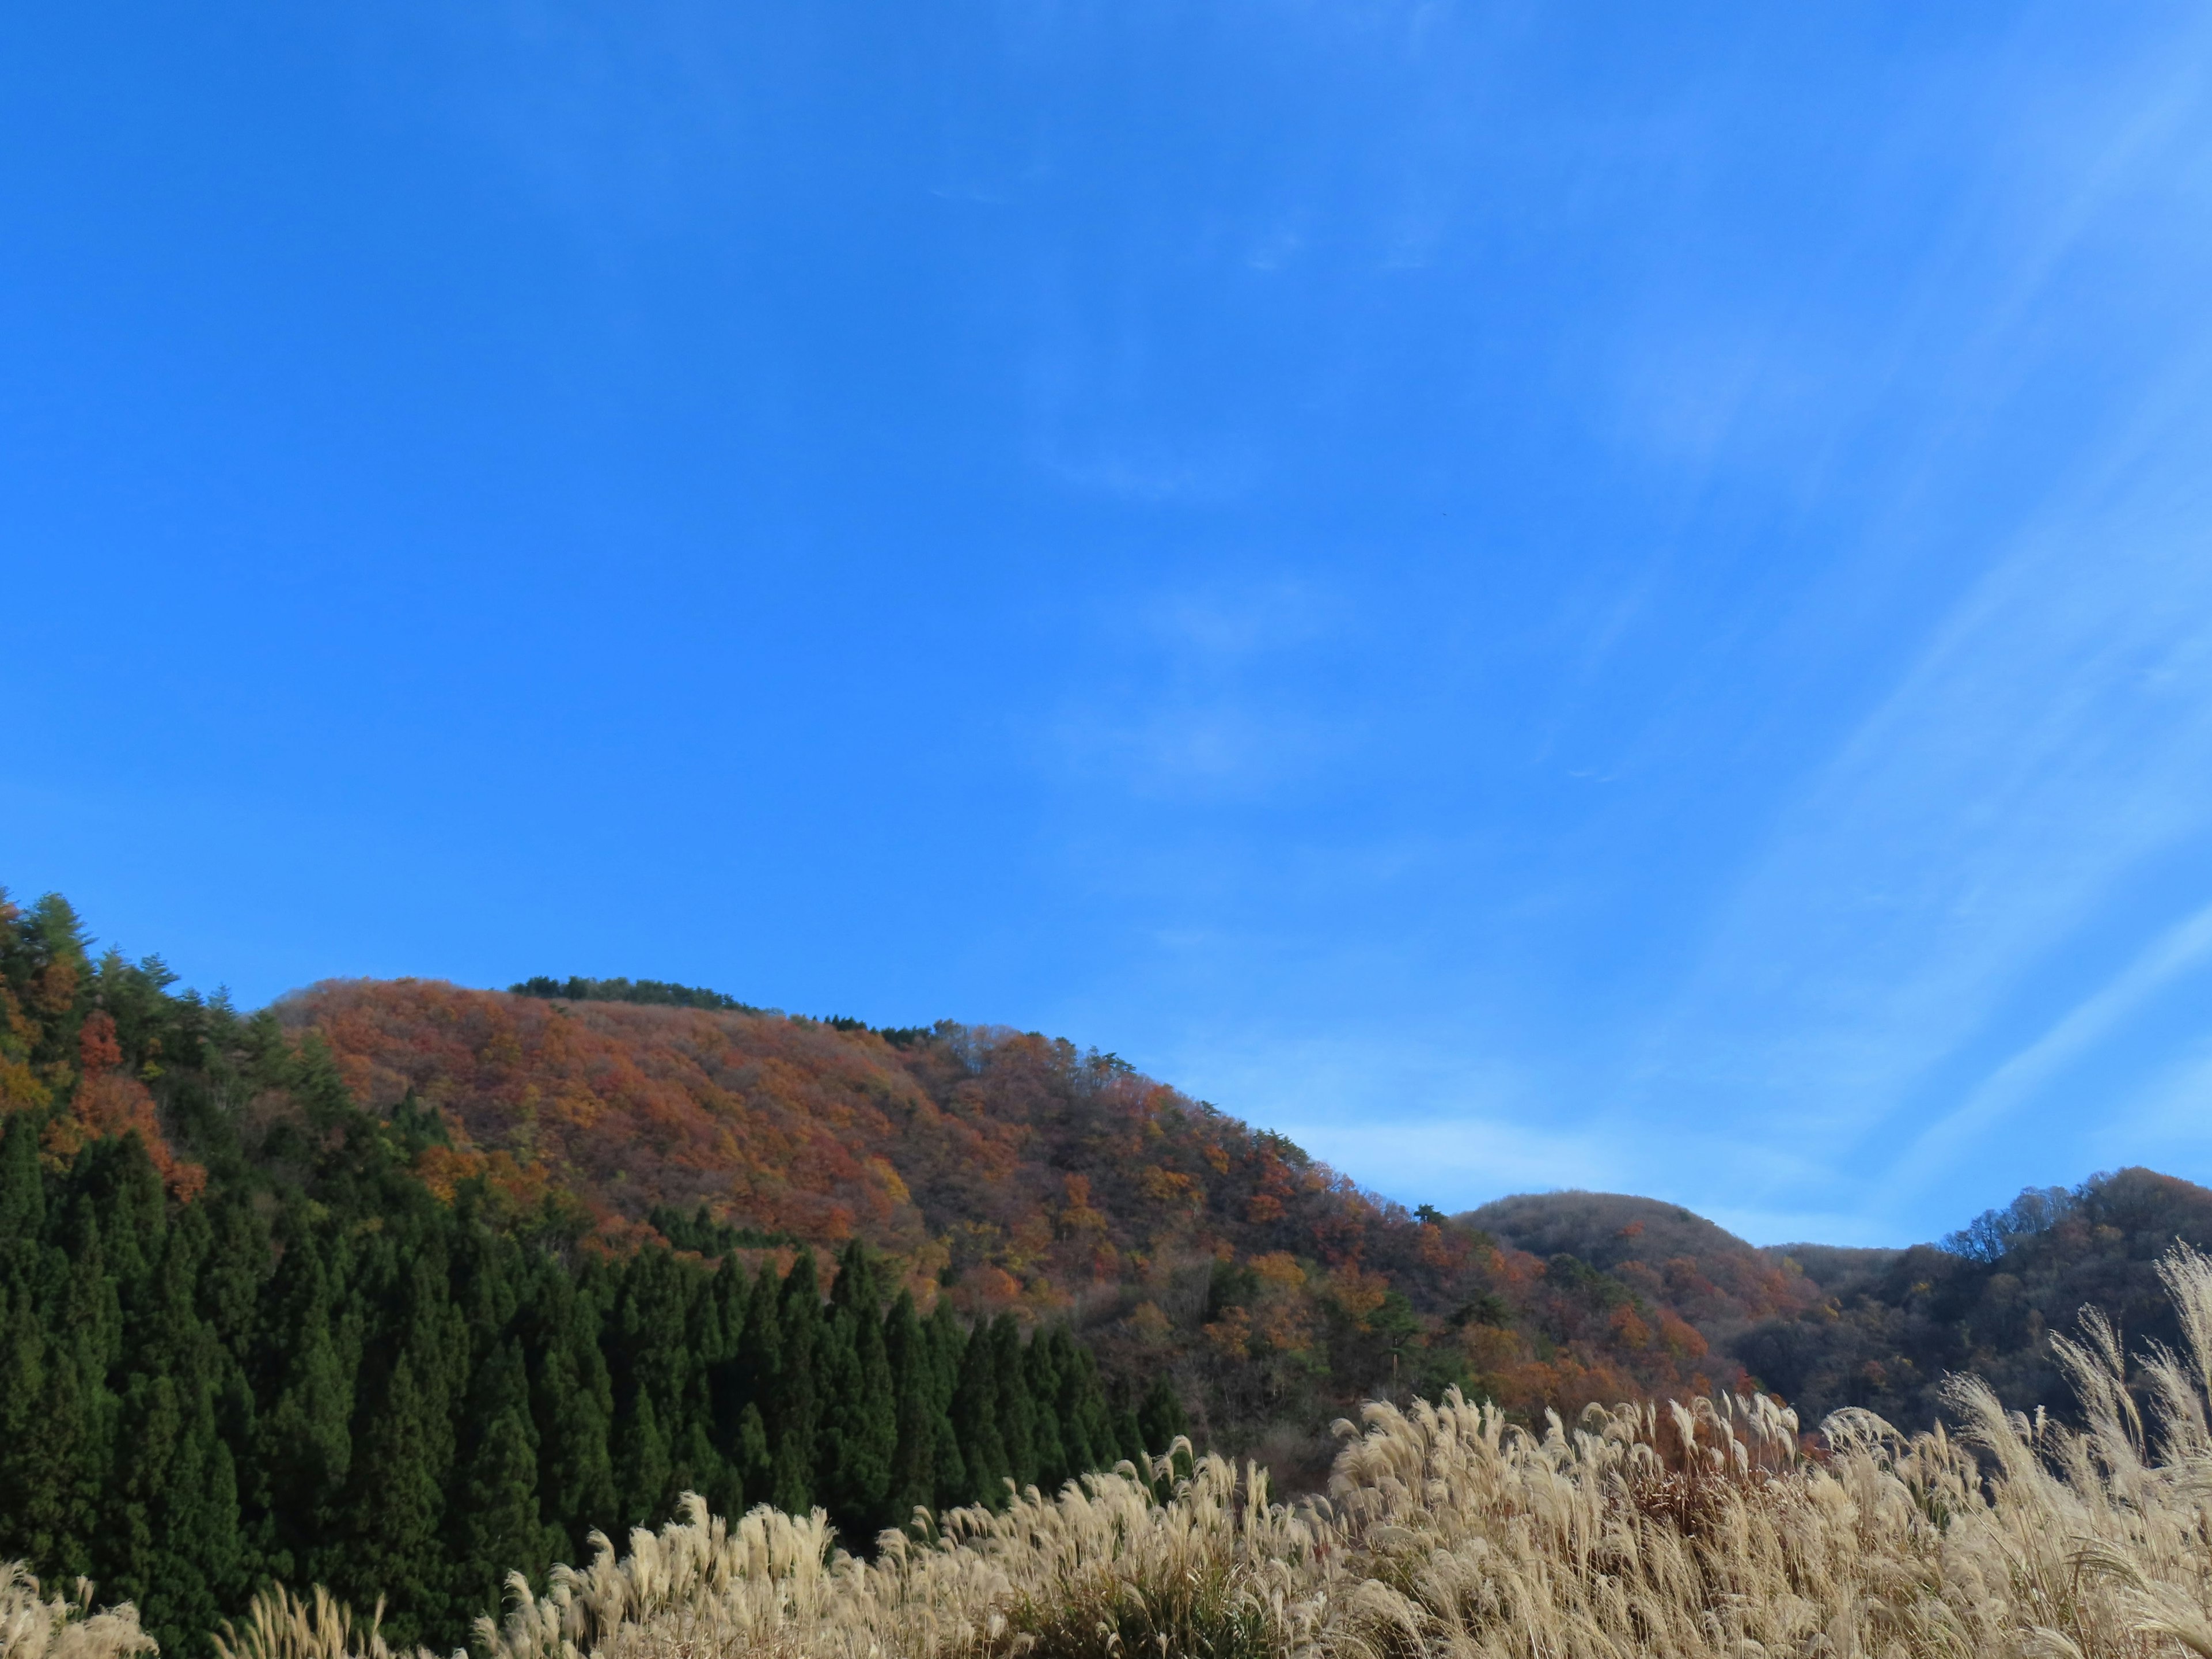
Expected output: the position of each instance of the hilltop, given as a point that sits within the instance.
(1827, 1327)
(1718, 1281)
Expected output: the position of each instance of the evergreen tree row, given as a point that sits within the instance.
(409, 1402)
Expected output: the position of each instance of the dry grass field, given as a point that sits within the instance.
(1708, 1529)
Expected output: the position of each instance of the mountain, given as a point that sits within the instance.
(1005, 1171)
(1002, 1172)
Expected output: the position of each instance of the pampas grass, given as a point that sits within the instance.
(34, 1625)
(279, 1626)
(1705, 1531)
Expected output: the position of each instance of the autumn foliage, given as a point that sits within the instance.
(1009, 1172)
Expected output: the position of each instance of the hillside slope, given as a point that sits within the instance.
(1988, 1300)
(1716, 1280)
(250, 1331)
(1005, 1171)
(1827, 1327)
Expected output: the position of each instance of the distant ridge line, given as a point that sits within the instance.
(658, 992)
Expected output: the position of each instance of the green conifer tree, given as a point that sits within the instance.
(1017, 1412)
(650, 1361)
(860, 1407)
(948, 1347)
(395, 1533)
(572, 1405)
(22, 1194)
(493, 1527)
(1160, 1421)
(171, 1536)
(975, 1419)
(916, 1416)
(642, 1467)
(303, 1442)
(1041, 1376)
(795, 1413)
(742, 1467)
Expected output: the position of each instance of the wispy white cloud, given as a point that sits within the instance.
(1196, 470)
(1979, 877)
(1421, 1120)
(1194, 699)
(2181, 948)
(2047, 746)
(2170, 1116)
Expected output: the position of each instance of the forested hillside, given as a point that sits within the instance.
(1827, 1327)
(399, 1286)
(1001, 1172)
(1668, 1254)
(1890, 1326)
(250, 1331)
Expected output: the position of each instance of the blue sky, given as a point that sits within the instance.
(1537, 596)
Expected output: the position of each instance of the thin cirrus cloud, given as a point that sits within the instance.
(1952, 889)
(1197, 696)
(1938, 935)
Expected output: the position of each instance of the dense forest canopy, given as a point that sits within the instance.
(655, 992)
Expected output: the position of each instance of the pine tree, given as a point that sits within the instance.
(493, 1526)
(642, 1468)
(1160, 1421)
(25, 1265)
(170, 1537)
(859, 1410)
(22, 1194)
(1017, 1412)
(303, 1441)
(27, 1441)
(649, 1359)
(794, 1414)
(975, 1419)
(405, 1458)
(572, 1406)
(742, 1465)
(1086, 1419)
(948, 1346)
(1041, 1376)
(116, 1180)
(694, 1445)
(916, 1415)
(746, 1412)
(75, 1418)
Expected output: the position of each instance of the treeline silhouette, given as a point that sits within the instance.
(652, 991)
(290, 1358)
